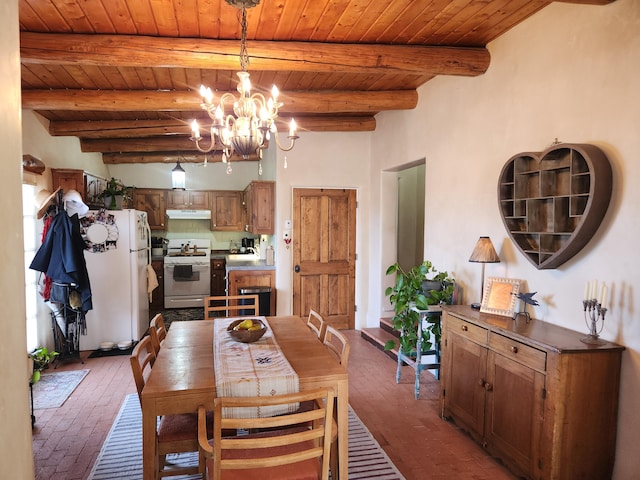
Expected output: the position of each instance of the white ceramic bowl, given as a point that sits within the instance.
(105, 346)
(124, 345)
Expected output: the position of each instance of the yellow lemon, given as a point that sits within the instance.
(245, 324)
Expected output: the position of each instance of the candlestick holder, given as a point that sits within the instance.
(594, 315)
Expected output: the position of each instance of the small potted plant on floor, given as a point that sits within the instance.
(414, 290)
(41, 358)
(116, 194)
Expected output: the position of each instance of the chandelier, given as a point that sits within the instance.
(248, 130)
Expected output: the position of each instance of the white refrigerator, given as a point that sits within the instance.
(117, 255)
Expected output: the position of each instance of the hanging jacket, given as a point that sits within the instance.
(61, 256)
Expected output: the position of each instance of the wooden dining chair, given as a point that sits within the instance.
(175, 433)
(337, 344)
(291, 446)
(231, 306)
(316, 323)
(157, 332)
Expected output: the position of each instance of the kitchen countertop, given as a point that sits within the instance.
(248, 265)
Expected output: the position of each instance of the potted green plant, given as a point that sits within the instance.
(414, 290)
(41, 358)
(116, 194)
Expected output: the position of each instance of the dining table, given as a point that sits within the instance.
(183, 377)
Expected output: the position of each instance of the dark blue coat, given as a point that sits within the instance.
(61, 256)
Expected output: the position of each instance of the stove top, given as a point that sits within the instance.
(187, 254)
(184, 250)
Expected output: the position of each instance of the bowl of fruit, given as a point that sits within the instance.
(247, 330)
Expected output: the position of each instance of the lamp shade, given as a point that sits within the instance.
(178, 177)
(484, 252)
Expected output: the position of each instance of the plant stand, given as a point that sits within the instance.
(426, 317)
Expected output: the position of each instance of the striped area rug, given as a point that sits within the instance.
(121, 455)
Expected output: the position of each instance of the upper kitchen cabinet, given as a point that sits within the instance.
(226, 211)
(152, 201)
(259, 202)
(87, 185)
(187, 200)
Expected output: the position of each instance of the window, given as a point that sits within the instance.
(31, 244)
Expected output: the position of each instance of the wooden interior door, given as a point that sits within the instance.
(324, 257)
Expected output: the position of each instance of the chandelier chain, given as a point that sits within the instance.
(244, 56)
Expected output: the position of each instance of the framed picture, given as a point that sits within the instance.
(500, 296)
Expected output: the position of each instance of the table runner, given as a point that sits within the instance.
(251, 369)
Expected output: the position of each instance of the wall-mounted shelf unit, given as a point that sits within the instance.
(553, 202)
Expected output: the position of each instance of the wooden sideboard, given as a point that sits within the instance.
(531, 393)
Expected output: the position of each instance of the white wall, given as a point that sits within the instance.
(570, 72)
(57, 152)
(16, 456)
(329, 160)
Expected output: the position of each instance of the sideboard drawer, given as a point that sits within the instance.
(521, 353)
(468, 330)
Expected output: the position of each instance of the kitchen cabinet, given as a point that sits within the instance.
(218, 277)
(226, 210)
(259, 203)
(156, 305)
(238, 279)
(152, 201)
(187, 199)
(89, 186)
(531, 393)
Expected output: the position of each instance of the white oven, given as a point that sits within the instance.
(187, 273)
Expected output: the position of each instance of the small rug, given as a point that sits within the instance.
(53, 389)
(121, 453)
(182, 314)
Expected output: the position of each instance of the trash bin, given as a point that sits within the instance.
(264, 297)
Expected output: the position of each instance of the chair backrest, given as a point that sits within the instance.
(316, 323)
(337, 343)
(297, 442)
(157, 332)
(231, 305)
(142, 359)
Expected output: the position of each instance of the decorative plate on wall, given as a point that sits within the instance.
(552, 202)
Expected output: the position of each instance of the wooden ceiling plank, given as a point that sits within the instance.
(58, 19)
(135, 51)
(330, 16)
(208, 17)
(492, 29)
(120, 16)
(28, 18)
(142, 16)
(188, 24)
(298, 101)
(165, 18)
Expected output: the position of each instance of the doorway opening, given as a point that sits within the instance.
(410, 216)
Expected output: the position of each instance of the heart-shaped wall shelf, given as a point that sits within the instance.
(553, 202)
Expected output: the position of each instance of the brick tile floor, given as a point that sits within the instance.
(67, 440)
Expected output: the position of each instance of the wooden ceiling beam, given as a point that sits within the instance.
(168, 157)
(141, 51)
(329, 102)
(154, 144)
(156, 128)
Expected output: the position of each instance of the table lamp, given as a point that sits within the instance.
(483, 253)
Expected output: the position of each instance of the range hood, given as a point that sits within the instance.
(189, 214)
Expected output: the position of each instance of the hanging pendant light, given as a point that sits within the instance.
(247, 131)
(178, 177)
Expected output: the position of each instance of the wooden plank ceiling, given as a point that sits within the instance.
(123, 75)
